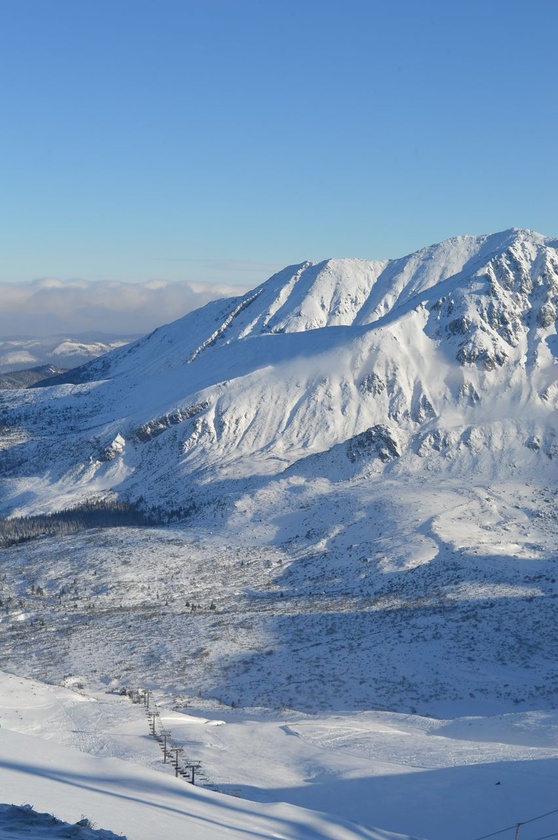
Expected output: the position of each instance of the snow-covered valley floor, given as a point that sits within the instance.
(431, 599)
(396, 672)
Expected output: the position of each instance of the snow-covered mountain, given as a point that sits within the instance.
(363, 455)
(444, 359)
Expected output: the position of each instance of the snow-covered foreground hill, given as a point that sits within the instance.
(70, 754)
(25, 821)
(285, 776)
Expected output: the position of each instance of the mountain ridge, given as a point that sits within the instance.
(312, 358)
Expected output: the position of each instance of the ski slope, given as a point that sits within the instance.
(287, 776)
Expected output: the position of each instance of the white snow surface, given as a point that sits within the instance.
(286, 776)
(354, 467)
(451, 351)
(120, 781)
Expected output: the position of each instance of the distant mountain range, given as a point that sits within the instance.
(61, 351)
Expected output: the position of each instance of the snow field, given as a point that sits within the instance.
(121, 791)
(371, 595)
(418, 777)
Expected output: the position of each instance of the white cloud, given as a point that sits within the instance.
(49, 306)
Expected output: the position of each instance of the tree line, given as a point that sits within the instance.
(98, 513)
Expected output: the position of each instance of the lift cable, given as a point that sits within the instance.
(523, 822)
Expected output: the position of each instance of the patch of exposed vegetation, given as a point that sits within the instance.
(98, 513)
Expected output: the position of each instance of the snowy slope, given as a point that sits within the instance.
(286, 776)
(449, 355)
(118, 790)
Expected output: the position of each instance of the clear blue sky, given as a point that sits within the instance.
(219, 139)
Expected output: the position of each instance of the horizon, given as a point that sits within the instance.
(48, 308)
(206, 145)
(208, 142)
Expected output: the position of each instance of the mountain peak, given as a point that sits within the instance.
(318, 355)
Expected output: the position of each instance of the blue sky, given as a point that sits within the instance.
(218, 140)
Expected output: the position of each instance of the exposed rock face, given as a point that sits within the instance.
(378, 440)
(156, 427)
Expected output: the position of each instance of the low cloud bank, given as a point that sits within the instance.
(49, 306)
